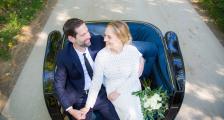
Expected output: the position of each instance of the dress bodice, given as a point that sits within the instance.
(116, 71)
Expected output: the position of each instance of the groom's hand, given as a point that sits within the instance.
(85, 110)
(113, 95)
(79, 115)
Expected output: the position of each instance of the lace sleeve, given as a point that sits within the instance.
(134, 76)
(96, 81)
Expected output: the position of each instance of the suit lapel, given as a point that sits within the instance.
(75, 59)
(92, 53)
(97, 43)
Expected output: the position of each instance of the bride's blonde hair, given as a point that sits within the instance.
(121, 30)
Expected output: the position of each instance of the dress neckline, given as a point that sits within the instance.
(117, 54)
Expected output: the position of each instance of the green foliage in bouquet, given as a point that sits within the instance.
(154, 102)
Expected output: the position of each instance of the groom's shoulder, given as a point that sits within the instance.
(97, 42)
(63, 53)
(96, 36)
(97, 39)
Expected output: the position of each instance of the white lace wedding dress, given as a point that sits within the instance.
(118, 72)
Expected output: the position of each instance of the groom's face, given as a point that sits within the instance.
(82, 38)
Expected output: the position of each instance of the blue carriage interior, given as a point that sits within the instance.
(148, 40)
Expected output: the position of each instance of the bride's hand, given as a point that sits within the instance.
(113, 95)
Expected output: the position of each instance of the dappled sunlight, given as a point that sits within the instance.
(188, 10)
(104, 17)
(195, 1)
(176, 1)
(76, 7)
(114, 7)
(205, 19)
(41, 39)
(202, 92)
(189, 111)
(220, 71)
(217, 118)
(25, 35)
(193, 113)
(156, 2)
(117, 10)
(3, 100)
(62, 16)
(202, 99)
(6, 111)
(152, 2)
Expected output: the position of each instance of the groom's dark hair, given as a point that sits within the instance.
(70, 26)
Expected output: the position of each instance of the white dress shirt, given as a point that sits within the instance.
(86, 75)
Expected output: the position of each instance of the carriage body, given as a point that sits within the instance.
(163, 63)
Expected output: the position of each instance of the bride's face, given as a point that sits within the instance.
(111, 39)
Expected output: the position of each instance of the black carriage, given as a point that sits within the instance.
(164, 63)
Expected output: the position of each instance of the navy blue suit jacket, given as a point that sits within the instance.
(69, 76)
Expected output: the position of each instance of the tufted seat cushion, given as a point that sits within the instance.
(149, 52)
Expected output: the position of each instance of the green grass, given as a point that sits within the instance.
(14, 14)
(215, 9)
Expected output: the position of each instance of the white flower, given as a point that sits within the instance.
(158, 106)
(157, 97)
(152, 102)
(145, 98)
(146, 104)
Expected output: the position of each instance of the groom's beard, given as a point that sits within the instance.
(85, 43)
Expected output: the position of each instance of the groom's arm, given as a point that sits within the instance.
(60, 81)
(59, 84)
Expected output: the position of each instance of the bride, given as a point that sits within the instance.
(118, 66)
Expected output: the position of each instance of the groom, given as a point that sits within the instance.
(74, 72)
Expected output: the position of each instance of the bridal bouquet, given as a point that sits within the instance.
(154, 102)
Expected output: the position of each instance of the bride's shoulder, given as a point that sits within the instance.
(102, 52)
(131, 47)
